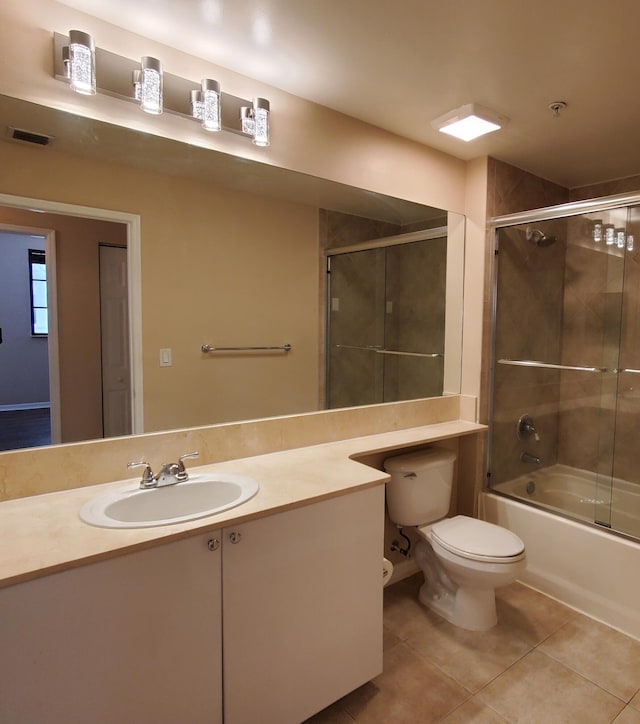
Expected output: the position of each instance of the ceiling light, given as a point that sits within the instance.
(468, 122)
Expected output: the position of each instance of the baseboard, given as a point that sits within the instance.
(25, 406)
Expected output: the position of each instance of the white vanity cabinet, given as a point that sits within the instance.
(134, 638)
(302, 601)
(291, 603)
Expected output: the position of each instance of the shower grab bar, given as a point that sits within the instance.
(547, 365)
(209, 348)
(380, 350)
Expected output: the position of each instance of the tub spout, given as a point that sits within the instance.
(526, 457)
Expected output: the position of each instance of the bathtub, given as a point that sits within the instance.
(579, 563)
(580, 494)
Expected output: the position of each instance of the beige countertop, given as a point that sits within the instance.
(43, 534)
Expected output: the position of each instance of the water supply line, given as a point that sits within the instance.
(395, 545)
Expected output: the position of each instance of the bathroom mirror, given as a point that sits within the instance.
(233, 254)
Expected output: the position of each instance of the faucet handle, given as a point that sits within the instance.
(182, 473)
(526, 427)
(148, 480)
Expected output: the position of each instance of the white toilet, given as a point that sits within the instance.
(463, 559)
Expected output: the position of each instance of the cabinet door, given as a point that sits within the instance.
(302, 599)
(130, 639)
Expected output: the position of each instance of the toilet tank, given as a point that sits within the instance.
(420, 489)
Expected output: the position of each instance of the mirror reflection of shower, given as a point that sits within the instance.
(386, 324)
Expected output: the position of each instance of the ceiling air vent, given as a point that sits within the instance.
(19, 134)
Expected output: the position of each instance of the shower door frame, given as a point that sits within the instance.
(547, 213)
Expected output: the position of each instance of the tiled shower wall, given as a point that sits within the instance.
(530, 322)
(529, 327)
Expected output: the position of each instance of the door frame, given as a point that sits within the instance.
(134, 282)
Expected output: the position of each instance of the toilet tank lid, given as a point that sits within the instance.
(419, 460)
(477, 537)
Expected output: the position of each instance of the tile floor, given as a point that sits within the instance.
(543, 663)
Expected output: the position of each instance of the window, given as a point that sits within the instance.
(38, 290)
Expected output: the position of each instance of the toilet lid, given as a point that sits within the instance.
(477, 539)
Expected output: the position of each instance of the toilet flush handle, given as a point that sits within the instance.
(409, 475)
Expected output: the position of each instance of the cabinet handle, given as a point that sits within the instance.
(213, 544)
(235, 537)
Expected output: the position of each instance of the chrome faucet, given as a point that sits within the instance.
(526, 457)
(170, 473)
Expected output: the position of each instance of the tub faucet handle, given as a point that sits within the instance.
(526, 428)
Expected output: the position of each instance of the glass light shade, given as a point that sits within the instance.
(621, 239)
(597, 232)
(609, 235)
(210, 99)
(261, 109)
(247, 120)
(149, 92)
(630, 242)
(81, 63)
(197, 106)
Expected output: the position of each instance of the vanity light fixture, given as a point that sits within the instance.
(205, 104)
(147, 85)
(468, 122)
(255, 121)
(80, 62)
(89, 69)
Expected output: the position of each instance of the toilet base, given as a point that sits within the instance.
(471, 609)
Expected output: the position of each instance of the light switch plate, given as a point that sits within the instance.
(165, 357)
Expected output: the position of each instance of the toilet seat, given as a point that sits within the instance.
(477, 540)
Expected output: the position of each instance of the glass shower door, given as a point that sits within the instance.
(356, 305)
(557, 332)
(625, 509)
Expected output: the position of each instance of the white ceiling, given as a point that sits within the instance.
(398, 64)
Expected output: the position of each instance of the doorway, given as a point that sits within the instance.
(25, 401)
(72, 385)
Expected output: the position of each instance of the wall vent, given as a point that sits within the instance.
(19, 134)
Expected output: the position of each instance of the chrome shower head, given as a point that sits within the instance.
(539, 238)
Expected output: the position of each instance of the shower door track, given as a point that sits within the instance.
(572, 208)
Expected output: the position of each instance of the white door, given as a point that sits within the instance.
(114, 313)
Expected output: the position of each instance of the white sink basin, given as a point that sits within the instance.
(197, 497)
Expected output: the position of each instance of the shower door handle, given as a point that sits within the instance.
(548, 365)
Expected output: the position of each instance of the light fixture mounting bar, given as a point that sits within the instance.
(113, 78)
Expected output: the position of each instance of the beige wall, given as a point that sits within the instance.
(218, 267)
(77, 271)
(306, 137)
